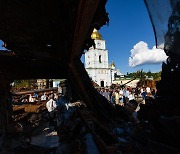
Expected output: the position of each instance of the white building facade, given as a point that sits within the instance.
(96, 62)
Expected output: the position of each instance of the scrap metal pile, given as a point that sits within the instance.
(80, 131)
(23, 110)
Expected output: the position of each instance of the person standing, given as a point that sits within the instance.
(148, 90)
(110, 95)
(106, 94)
(56, 96)
(153, 92)
(125, 96)
(143, 94)
(121, 97)
(131, 96)
(43, 97)
(117, 97)
(113, 97)
(66, 93)
(59, 89)
(31, 98)
(51, 107)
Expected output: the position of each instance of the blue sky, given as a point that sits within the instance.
(129, 24)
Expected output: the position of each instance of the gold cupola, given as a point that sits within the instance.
(112, 65)
(95, 35)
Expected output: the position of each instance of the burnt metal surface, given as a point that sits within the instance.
(46, 39)
(43, 35)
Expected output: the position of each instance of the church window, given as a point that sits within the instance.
(100, 59)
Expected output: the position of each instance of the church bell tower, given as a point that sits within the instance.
(96, 61)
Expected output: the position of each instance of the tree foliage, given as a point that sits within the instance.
(143, 75)
(26, 84)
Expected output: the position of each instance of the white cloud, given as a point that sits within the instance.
(141, 54)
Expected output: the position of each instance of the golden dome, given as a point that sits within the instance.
(113, 65)
(95, 35)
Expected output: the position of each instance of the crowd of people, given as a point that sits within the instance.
(122, 95)
(127, 97)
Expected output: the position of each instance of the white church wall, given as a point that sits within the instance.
(109, 78)
(97, 65)
(102, 59)
(98, 57)
(112, 74)
(103, 75)
(100, 44)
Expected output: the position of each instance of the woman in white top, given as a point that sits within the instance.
(31, 99)
(51, 105)
(131, 96)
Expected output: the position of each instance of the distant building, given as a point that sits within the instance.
(96, 62)
(48, 83)
(57, 81)
(41, 83)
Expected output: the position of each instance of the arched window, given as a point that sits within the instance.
(100, 59)
(102, 83)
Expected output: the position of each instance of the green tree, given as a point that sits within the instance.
(26, 84)
(149, 74)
